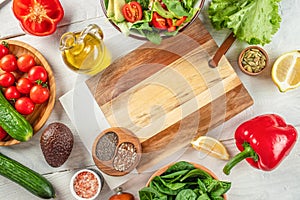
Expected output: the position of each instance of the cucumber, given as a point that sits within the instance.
(29, 179)
(13, 122)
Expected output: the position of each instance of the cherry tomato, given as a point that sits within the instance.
(38, 74)
(3, 49)
(24, 85)
(132, 11)
(7, 79)
(39, 94)
(11, 93)
(8, 63)
(159, 22)
(24, 105)
(3, 133)
(25, 62)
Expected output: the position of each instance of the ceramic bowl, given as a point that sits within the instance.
(86, 184)
(199, 4)
(198, 166)
(41, 112)
(253, 60)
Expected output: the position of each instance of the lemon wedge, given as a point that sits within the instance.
(211, 146)
(286, 71)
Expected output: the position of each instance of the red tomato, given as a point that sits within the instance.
(180, 21)
(24, 85)
(11, 93)
(132, 11)
(24, 105)
(3, 49)
(3, 133)
(8, 63)
(7, 79)
(25, 62)
(38, 74)
(39, 94)
(159, 22)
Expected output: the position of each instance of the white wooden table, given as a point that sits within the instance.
(247, 182)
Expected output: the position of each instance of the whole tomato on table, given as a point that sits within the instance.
(38, 17)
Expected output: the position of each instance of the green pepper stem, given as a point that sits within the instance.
(248, 152)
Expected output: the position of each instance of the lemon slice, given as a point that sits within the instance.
(286, 71)
(211, 146)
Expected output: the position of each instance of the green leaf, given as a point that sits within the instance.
(198, 173)
(175, 174)
(186, 194)
(148, 193)
(203, 197)
(181, 165)
(253, 21)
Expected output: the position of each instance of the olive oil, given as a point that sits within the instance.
(86, 55)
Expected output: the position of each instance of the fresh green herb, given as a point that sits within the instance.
(253, 21)
(182, 181)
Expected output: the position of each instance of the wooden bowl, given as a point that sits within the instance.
(41, 112)
(163, 169)
(107, 146)
(244, 63)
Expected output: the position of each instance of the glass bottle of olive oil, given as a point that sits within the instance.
(85, 52)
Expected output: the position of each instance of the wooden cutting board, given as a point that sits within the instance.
(167, 94)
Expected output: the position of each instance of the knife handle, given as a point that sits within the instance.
(221, 50)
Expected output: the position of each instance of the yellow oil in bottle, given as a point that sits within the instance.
(88, 56)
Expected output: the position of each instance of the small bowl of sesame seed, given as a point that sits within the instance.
(253, 60)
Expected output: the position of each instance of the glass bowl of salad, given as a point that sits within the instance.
(151, 19)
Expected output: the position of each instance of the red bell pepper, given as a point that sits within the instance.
(38, 17)
(264, 142)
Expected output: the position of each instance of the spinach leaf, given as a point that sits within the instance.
(221, 188)
(148, 193)
(199, 173)
(186, 194)
(172, 186)
(144, 4)
(176, 8)
(203, 197)
(159, 184)
(175, 174)
(181, 165)
(201, 186)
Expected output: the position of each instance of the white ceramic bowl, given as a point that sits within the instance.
(98, 182)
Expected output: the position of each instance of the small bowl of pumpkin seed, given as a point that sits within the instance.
(253, 60)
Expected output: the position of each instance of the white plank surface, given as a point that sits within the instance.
(247, 182)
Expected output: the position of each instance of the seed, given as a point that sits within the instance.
(253, 60)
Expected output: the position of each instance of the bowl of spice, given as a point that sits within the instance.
(116, 151)
(253, 60)
(86, 184)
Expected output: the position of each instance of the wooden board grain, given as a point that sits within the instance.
(167, 94)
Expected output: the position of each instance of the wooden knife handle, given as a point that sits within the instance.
(221, 50)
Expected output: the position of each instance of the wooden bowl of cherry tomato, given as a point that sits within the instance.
(27, 82)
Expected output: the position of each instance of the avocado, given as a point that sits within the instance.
(118, 5)
(110, 8)
(161, 11)
(56, 143)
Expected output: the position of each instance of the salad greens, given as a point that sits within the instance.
(177, 8)
(253, 21)
(182, 181)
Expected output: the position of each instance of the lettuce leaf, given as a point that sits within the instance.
(253, 21)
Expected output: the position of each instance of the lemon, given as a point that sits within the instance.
(286, 71)
(211, 146)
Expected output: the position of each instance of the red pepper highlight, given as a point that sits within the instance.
(38, 17)
(264, 142)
